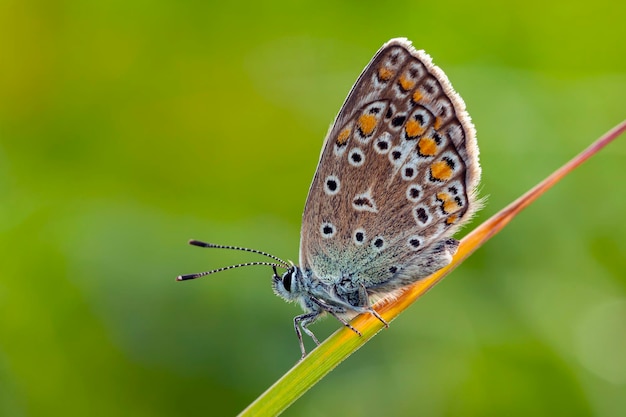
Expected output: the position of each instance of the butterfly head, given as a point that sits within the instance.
(288, 285)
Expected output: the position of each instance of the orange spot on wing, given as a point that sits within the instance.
(385, 73)
(437, 123)
(452, 219)
(427, 147)
(449, 204)
(413, 128)
(343, 136)
(405, 83)
(417, 96)
(440, 170)
(367, 123)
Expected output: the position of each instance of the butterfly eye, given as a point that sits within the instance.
(287, 281)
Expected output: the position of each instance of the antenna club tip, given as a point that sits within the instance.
(186, 277)
(195, 242)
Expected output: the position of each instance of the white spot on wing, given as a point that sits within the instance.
(364, 202)
(378, 243)
(359, 237)
(414, 193)
(414, 242)
(384, 138)
(422, 215)
(356, 157)
(327, 230)
(331, 185)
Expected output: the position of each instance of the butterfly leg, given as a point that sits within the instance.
(345, 323)
(330, 310)
(364, 299)
(303, 321)
(378, 316)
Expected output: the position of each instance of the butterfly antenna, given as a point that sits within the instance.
(212, 245)
(225, 268)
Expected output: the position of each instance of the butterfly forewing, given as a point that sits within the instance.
(397, 175)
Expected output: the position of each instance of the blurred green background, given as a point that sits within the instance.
(127, 128)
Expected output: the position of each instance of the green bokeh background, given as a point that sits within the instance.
(127, 128)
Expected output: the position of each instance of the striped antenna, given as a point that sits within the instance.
(225, 268)
(213, 245)
(280, 264)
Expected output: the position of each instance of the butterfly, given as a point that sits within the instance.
(397, 177)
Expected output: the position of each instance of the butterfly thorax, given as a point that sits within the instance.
(315, 295)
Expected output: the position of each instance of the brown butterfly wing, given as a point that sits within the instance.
(397, 175)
